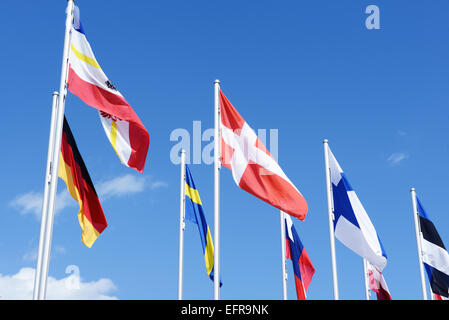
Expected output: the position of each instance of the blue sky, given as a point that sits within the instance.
(311, 70)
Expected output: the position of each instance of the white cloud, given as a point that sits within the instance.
(32, 254)
(396, 158)
(31, 203)
(127, 184)
(158, 184)
(59, 249)
(20, 286)
(121, 186)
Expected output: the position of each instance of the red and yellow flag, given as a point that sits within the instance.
(74, 172)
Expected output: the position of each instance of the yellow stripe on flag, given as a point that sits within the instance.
(193, 194)
(209, 253)
(85, 58)
(89, 233)
(113, 133)
(114, 136)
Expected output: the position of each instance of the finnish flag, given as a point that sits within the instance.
(352, 226)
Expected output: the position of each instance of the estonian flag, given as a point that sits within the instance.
(195, 213)
(434, 254)
(74, 172)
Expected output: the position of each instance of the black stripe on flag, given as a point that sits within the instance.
(439, 283)
(430, 233)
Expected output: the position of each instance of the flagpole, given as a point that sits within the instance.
(365, 277)
(182, 225)
(418, 243)
(217, 165)
(44, 259)
(331, 219)
(48, 172)
(284, 271)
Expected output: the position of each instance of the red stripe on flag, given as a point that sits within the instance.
(382, 294)
(307, 269)
(288, 254)
(140, 141)
(300, 293)
(115, 105)
(91, 207)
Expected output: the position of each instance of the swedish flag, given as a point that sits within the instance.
(195, 213)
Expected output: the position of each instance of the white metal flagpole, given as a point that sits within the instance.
(182, 225)
(365, 277)
(331, 219)
(44, 259)
(418, 243)
(283, 247)
(217, 165)
(48, 173)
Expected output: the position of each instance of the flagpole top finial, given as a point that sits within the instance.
(55, 93)
(412, 189)
(217, 81)
(325, 141)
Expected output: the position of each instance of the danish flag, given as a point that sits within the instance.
(253, 167)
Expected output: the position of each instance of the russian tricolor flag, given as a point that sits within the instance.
(302, 266)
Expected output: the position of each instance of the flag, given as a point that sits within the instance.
(87, 80)
(74, 173)
(253, 167)
(302, 266)
(195, 213)
(434, 254)
(377, 283)
(352, 225)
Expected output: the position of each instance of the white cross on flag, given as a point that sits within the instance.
(253, 168)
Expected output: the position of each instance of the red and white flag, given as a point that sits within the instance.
(253, 167)
(86, 79)
(377, 283)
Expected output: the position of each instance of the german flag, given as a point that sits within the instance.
(74, 173)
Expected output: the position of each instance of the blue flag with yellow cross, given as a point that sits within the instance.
(195, 213)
